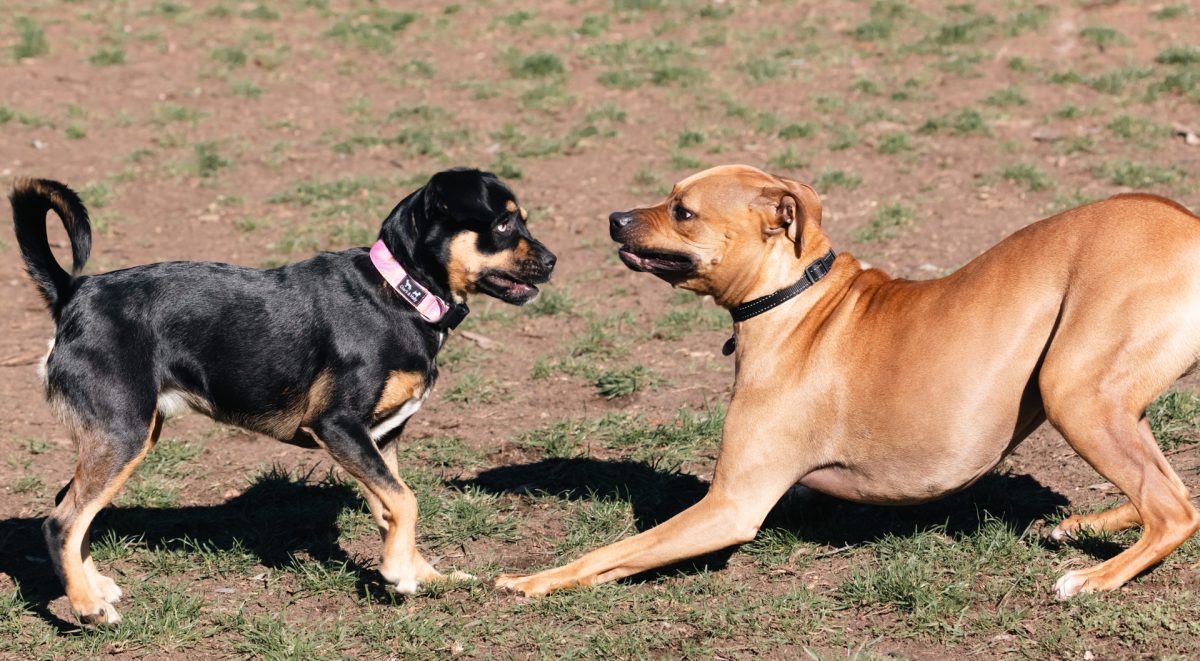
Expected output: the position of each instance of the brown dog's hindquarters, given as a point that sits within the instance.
(1080, 319)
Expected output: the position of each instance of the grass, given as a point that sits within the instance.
(625, 381)
(31, 39)
(1031, 176)
(888, 222)
(536, 65)
(1174, 418)
(1179, 56)
(374, 29)
(832, 179)
(1124, 172)
(967, 121)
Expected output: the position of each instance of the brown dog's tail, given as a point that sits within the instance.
(31, 199)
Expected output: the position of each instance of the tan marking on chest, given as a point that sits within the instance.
(399, 388)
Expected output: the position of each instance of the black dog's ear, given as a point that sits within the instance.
(404, 226)
(462, 194)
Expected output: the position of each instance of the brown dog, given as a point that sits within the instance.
(888, 391)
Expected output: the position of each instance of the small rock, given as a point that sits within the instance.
(225, 590)
(1189, 136)
(1045, 134)
(930, 268)
(39, 145)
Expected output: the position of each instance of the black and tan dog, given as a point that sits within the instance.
(889, 391)
(336, 351)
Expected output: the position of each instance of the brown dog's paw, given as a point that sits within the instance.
(525, 585)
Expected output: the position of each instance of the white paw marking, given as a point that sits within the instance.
(1069, 585)
(406, 586)
(108, 588)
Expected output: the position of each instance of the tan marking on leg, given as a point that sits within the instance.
(90, 606)
(399, 388)
(397, 516)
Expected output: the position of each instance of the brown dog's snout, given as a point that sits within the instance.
(618, 221)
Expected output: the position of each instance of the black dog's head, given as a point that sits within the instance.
(465, 232)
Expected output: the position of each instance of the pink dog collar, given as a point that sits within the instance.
(431, 307)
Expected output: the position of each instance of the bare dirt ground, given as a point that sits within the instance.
(258, 133)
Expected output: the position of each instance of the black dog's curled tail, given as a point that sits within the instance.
(31, 199)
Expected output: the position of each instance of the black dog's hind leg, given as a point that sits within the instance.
(106, 459)
(392, 503)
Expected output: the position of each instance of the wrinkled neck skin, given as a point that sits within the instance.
(762, 336)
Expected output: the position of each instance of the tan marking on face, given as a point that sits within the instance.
(467, 263)
(524, 214)
(399, 388)
(510, 206)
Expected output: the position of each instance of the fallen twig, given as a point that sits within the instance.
(26, 359)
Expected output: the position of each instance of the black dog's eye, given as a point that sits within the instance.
(683, 214)
(504, 227)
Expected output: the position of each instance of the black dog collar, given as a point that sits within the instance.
(750, 309)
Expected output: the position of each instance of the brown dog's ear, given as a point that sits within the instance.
(796, 205)
(785, 206)
(809, 202)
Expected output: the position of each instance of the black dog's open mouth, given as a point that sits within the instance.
(507, 287)
(652, 261)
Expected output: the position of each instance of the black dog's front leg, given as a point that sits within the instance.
(351, 446)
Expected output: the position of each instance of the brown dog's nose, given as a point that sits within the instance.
(619, 219)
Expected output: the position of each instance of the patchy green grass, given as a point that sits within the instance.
(888, 222)
(1124, 172)
(31, 39)
(1033, 178)
(1174, 418)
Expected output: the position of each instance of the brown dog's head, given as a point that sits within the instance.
(714, 232)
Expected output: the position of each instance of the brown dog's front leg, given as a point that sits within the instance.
(742, 494)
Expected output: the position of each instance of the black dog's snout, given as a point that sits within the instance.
(617, 220)
(547, 260)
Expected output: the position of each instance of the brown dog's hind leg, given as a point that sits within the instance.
(105, 463)
(1121, 447)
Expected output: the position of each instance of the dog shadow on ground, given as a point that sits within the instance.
(656, 495)
(278, 516)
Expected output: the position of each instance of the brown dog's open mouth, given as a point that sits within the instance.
(652, 261)
(507, 287)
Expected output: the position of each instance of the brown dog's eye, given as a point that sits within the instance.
(683, 214)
